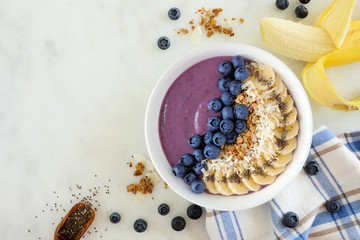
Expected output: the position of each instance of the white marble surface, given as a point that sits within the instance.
(75, 79)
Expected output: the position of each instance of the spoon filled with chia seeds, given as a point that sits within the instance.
(75, 223)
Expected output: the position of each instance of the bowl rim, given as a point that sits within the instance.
(233, 202)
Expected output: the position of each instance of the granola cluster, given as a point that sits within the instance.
(145, 186)
(210, 22)
(245, 140)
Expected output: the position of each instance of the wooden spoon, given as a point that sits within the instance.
(83, 229)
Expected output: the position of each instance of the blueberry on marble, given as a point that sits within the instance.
(163, 43)
(215, 105)
(194, 211)
(195, 141)
(198, 154)
(187, 160)
(241, 73)
(333, 206)
(214, 123)
(225, 68)
(190, 177)
(304, 1)
(231, 138)
(226, 126)
(197, 168)
(115, 217)
(198, 186)
(282, 4)
(227, 98)
(301, 11)
(290, 219)
(312, 168)
(140, 225)
(208, 136)
(227, 112)
(178, 223)
(163, 209)
(179, 170)
(174, 13)
(238, 61)
(219, 139)
(223, 84)
(211, 151)
(240, 126)
(241, 111)
(235, 87)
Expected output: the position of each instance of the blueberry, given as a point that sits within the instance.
(231, 138)
(214, 123)
(194, 211)
(223, 84)
(282, 4)
(312, 168)
(163, 43)
(240, 126)
(179, 170)
(115, 217)
(227, 98)
(140, 225)
(219, 139)
(290, 219)
(208, 136)
(195, 141)
(187, 160)
(238, 61)
(235, 87)
(174, 13)
(225, 68)
(241, 111)
(189, 178)
(304, 1)
(301, 11)
(227, 113)
(241, 73)
(226, 126)
(215, 105)
(211, 151)
(197, 168)
(163, 209)
(332, 206)
(178, 223)
(198, 186)
(198, 154)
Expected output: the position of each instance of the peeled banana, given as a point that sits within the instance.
(334, 40)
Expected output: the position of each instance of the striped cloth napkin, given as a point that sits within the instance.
(339, 179)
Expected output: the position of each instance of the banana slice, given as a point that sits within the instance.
(278, 84)
(261, 75)
(269, 170)
(235, 185)
(287, 132)
(282, 160)
(286, 147)
(263, 179)
(289, 119)
(250, 184)
(209, 183)
(221, 183)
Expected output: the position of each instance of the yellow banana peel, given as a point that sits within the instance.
(345, 37)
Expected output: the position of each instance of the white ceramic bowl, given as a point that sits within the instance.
(217, 201)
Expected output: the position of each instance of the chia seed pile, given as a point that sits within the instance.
(75, 222)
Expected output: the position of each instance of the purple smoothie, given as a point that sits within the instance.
(184, 110)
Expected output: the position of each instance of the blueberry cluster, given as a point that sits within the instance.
(300, 11)
(223, 129)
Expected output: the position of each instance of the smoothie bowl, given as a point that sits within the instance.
(228, 126)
